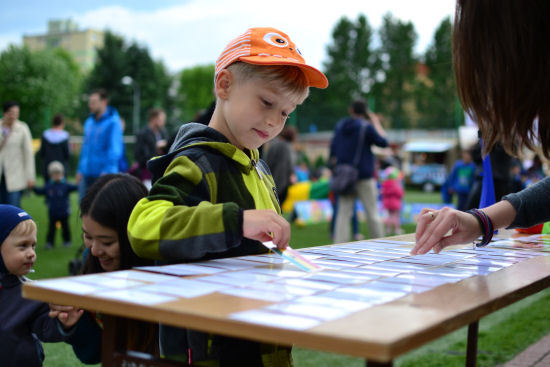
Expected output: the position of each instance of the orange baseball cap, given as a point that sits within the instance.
(268, 46)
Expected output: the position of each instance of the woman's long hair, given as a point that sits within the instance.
(109, 202)
(502, 68)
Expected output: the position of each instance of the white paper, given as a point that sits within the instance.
(140, 275)
(321, 312)
(69, 286)
(181, 269)
(257, 294)
(276, 320)
(185, 288)
(137, 296)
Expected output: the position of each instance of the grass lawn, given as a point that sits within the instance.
(502, 335)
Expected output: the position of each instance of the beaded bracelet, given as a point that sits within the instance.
(486, 225)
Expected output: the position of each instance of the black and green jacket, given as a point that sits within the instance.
(194, 211)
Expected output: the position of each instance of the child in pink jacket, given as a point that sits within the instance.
(392, 199)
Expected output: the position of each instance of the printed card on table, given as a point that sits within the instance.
(293, 256)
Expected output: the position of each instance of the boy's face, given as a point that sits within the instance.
(57, 176)
(102, 242)
(252, 112)
(18, 253)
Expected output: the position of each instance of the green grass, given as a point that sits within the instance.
(502, 335)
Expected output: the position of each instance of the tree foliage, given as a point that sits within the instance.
(44, 83)
(195, 90)
(349, 71)
(436, 94)
(117, 59)
(397, 70)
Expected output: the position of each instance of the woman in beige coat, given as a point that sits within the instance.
(17, 170)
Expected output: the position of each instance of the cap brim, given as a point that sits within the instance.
(315, 77)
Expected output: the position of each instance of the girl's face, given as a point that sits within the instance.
(18, 252)
(102, 242)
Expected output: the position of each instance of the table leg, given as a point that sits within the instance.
(471, 349)
(110, 342)
(379, 364)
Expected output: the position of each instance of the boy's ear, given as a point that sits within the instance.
(223, 84)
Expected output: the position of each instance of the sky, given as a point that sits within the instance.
(187, 33)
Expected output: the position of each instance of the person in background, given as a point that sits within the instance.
(280, 159)
(122, 162)
(151, 141)
(17, 171)
(57, 192)
(54, 145)
(461, 179)
(24, 322)
(105, 210)
(102, 142)
(343, 146)
(392, 198)
(494, 43)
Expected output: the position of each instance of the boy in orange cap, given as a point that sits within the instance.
(213, 197)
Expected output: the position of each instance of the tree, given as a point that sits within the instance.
(396, 66)
(44, 83)
(118, 59)
(195, 90)
(436, 95)
(349, 70)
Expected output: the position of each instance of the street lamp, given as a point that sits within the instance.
(128, 80)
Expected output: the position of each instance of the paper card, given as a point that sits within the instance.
(339, 277)
(308, 284)
(346, 304)
(484, 262)
(276, 320)
(426, 261)
(457, 273)
(222, 279)
(283, 288)
(143, 276)
(476, 269)
(395, 242)
(249, 276)
(102, 280)
(229, 263)
(337, 264)
(270, 259)
(381, 271)
(181, 269)
(260, 294)
(69, 286)
(372, 296)
(376, 273)
(398, 287)
(395, 265)
(185, 288)
(320, 312)
(137, 296)
(425, 280)
(280, 271)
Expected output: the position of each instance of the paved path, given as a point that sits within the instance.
(537, 355)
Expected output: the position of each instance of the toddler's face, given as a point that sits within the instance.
(18, 253)
(254, 113)
(102, 242)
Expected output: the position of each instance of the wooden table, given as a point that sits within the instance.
(379, 333)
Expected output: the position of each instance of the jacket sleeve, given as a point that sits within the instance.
(375, 138)
(144, 148)
(178, 220)
(46, 328)
(28, 155)
(84, 150)
(86, 340)
(114, 150)
(532, 204)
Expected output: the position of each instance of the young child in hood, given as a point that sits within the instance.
(23, 322)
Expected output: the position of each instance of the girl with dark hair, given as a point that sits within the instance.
(105, 210)
(502, 62)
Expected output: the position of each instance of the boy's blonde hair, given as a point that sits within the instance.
(288, 79)
(24, 228)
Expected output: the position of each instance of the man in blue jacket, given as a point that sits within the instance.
(102, 142)
(344, 144)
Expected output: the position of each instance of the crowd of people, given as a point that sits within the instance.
(212, 196)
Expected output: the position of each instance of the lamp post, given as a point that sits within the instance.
(128, 80)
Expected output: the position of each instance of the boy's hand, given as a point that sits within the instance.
(67, 315)
(266, 225)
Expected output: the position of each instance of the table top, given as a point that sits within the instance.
(371, 300)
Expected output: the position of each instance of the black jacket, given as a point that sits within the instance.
(23, 323)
